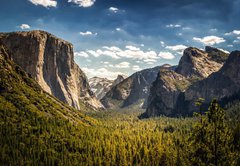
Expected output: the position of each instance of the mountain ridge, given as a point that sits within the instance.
(194, 66)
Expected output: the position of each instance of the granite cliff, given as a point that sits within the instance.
(167, 94)
(50, 61)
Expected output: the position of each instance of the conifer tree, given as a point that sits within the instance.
(211, 139)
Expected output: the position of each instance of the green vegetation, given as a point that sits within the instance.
(37, 129)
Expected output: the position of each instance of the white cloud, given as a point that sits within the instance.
(214, 30)
(24, 26)
(45, 3)
(178, 48)
(114, 9)
(149, 60)
(123, 65)
(234, 32)
(130, 52)
(87, 33)
(238, 37)
(118, 29)
(230, 45)
(186, 28)
(166, 55)
(236, 41)
(162, 43)
(94, 53)
(83, 3)
(173, 26)
(136, 68)
(132, 48)
(81, 54)
(101, 72)
(108, 53)
(210, 40)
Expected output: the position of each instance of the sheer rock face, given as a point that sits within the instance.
(169, 88)
(222, 84)
(133, 90)
(164, 93)
(50, 62)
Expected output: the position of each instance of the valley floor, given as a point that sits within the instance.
(113, 138)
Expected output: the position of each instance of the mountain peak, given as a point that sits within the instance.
(198, 63)
(216, 54)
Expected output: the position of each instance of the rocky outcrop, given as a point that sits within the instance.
(196, 63)
(164, 93)
(134, 90)
(50, 62)
(100, 86)
(119, 79)
(169, 88)
(220, 85)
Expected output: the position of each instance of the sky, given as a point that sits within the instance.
(112, 37)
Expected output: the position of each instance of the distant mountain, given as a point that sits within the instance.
(50, 62)
(100, 86)
(134, 90)
(170, 86)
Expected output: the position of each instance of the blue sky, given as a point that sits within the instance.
(112, 37)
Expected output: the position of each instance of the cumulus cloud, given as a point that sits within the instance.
(178, 48)
(130, 52)
(45, 3)
(114, 9)
(234, 32)
(83, 3)
(132, 48)
(136, 68)
(101, 72)
(24, 26)
(87, 33)
(123, 65)
(81, 54)
(210, 40)
(166, 55)
(173, 26)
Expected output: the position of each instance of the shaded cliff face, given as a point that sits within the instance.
(168, 89)
(220, 85)
(164, 93)
(134, 90)
(50, 62)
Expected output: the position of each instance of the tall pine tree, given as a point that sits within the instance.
(211, 139)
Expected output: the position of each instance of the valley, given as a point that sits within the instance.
(52, 114)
